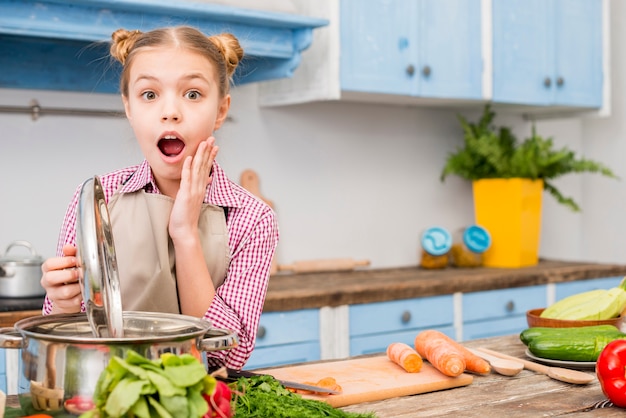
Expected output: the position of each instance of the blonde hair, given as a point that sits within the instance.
(223, 50)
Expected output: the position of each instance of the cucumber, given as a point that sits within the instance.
(534, 332)
(584, 348)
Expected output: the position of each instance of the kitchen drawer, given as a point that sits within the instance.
(263, 357)
(288, 327)
(502, 303)
(378, 343)
(400, 315)
(494, 328)
(3, 371)
(571, 288)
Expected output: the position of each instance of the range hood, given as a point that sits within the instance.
(63, 44)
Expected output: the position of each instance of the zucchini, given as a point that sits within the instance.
(584, 348)
(534, 332)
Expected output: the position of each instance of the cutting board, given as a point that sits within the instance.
(369, 379)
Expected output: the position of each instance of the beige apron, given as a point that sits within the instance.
(145, 252)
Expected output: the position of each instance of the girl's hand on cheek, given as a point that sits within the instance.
(60, 279)
(195, 177)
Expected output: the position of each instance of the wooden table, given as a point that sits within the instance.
(528, 394)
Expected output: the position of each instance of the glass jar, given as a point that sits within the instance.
(436, 243)
(468, 246)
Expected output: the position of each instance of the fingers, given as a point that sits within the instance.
(60, 280)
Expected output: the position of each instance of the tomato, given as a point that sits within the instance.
(78, 404)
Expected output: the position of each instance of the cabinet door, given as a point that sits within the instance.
(426, 48)
(499, 312)
(378, 45)
(286, 337)
(450, 55)
(3, 371)
(578, 74)
(523, 51)
(547, 52)
(373, 326)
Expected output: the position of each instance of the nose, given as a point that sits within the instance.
(170, 111)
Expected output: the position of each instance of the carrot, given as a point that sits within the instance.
(326, 382)
(443, 356)
(405, 356)
(442, 342)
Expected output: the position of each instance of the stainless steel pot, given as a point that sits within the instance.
(20, 275)
(62, 360)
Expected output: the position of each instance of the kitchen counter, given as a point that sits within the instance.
(288, 292)
(528, 394)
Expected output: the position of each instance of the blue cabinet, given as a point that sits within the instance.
(548, 52)
(499, 312)
(286, 338)
(564, 290)
(3, 370)
(374, 326)
(425, 48)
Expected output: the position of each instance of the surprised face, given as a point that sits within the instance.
(173, 105)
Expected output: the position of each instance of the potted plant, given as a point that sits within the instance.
(508, 179)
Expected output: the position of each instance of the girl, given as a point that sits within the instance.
(187, 239)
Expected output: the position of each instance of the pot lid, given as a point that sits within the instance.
(32, 258)
(97, 262)
(139, 327)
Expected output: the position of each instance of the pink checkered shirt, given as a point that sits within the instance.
(253, 236)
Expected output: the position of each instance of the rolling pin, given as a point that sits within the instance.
(335, 264)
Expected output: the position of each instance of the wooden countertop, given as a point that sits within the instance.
(314, 290)
(288, 292)
(528, 394)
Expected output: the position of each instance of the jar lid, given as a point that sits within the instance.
(476, 238)
(436, 240)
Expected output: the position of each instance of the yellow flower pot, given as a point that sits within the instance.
(510, 209)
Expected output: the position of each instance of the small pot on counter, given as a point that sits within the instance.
(20, 275)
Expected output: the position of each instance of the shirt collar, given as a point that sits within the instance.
(220, 192)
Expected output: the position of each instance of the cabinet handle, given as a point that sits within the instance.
(510, 306)
(260, 333)
(547, 82)
(410, 70)
(560, 81)
(406, 317)
(426, 70)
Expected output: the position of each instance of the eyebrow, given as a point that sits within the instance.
(191, 76)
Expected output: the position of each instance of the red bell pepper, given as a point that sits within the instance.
(611, 372)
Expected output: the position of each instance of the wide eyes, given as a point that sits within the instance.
(148, 95)
(192, 95)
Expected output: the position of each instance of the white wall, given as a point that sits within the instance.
(346, 179)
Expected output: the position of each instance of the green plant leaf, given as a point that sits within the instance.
(489, 151)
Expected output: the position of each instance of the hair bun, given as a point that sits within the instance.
(123, 41)
(230, 48)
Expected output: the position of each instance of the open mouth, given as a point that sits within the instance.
(171, 146)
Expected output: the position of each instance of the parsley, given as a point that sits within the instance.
(264, 396)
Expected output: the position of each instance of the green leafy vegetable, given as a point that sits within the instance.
(172, 386)
(264, 396)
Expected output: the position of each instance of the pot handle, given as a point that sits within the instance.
(216, 339)
(7, 272)
(10, 338)
(23, 244)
